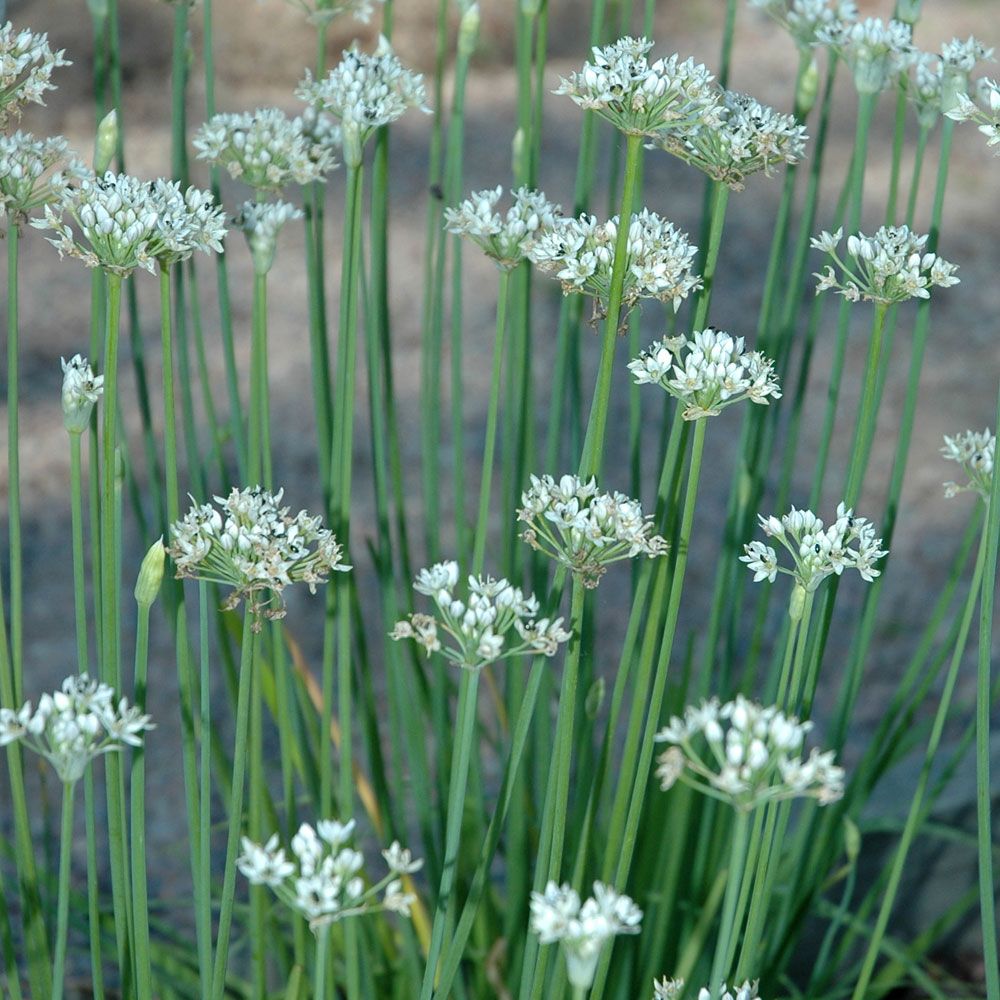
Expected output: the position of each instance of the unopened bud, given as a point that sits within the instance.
(807, 89)
(852, 840)
(797, 603)
(81, 390)
(517, 152)
(106, 142)
(908, 11)
(595, 698)
(98, 9)
(468, 30)
(147, 586)
(529, 8)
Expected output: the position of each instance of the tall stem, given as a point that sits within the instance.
(725, 943)
(62, 913)
(14, 465)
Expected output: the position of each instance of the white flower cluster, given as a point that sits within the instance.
(73, 725)
(985, 113)
(875, 51)
(754, 755)
(817, 552)
(891, 266)
(584, 529)
(252, 544)
(26, 65)
(364, 92)
(804, 19)
(24, 163)
(581, 254)
(642, 97)
(581, 930)
(673, 989)
(261, 222)
(940, 82)
(975, 452)
(126, 223)
(264, 149)
(324, 883)
(504, 238)
(322, 12)
(750, 137)
(81, 389)
(479, 624)
(714, 372)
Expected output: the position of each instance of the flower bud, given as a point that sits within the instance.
(147, 586)
(98, 9)
(517, 152)
(529, 8)
(352, 143)
(796, 603)
(81, 390)
(468, 30)
(595, 698)
(807, 90)
(106, 142)
(908, 11)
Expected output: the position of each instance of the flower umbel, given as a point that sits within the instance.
(479, 624)
(875, 51)
(640, 97)
(891, 266)
(364, 92)
(754, 755)
(750, 137)
(714, 372)
(322, 880)
(264, 149)
(252, 544)
(261, 222)
(26, 65)
(581, 254)
(24, 163)
(974, 451)
(504, 238)
(322, 12)
(75, 724)
(805, 19)
(986, 113)
(817, 552)
(584, 529)
(582, 930)
(80, 391)
(186, 221)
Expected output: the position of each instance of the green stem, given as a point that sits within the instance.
(203, 855)
(246, 684)
(319, 972)
(258, 433)
(169, 404)
(140, 895)
(719, 201)
(65, 864)
(489, 448)
(14, 465)
(593, 445)
(729, 928)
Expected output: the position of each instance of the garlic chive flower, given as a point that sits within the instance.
(985, 114)
(804, 19)
(364, 92)
(750, 137)
(322, 879)
(746, 755)
(478, 626)
(24, 163)
(26, 65)
(75, 724)
(673, 989)
(81, 389)
(186, 221)
(504, 238)
(261, 222)
(264, 149)
(941, 82)
(323, 12)
(891, 266)
(252, 544)
(581, 254)
(975, 452)
(116, 216)
(817, 552)
(640, 97)
(714, 372)
(668, 989)
(582, 930)
(876, 51)
(572, 522)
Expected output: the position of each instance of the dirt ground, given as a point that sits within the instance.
(261, 51)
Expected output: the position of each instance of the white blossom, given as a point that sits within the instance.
(264, 149)
(26, 65)
(505, 238)
(187, 221)
(668, 989)
(817, 552)
(941, 82)
(754, 755)
(805, 19)
(642, 97)
(707, 373)
(985, 113)
(75, 724)
(876, 51)
(891, 266)
(320, 12)
(25, 163)
(479, 625)
(749, 137)
(748, 991)
(974, 451)
(81, 389)
(584, 529)
(364, 92)
(261, 222)
(582, 930)
(581, 254)
(322, 879)
(252, 544)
